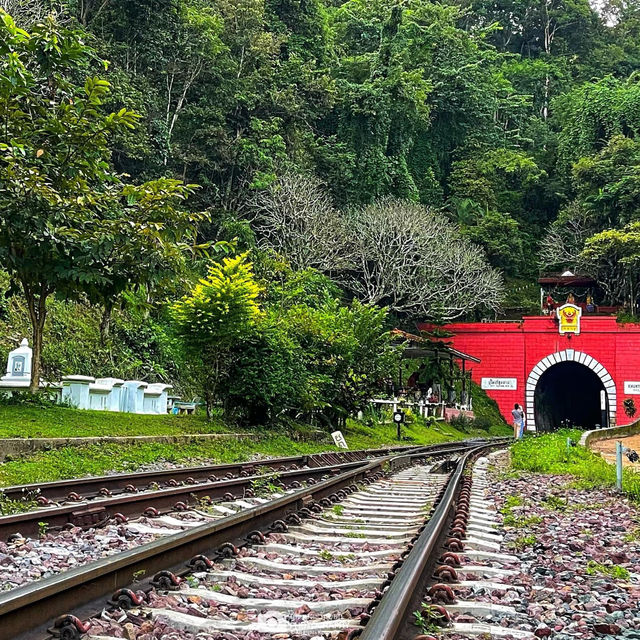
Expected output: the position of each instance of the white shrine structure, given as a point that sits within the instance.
(87, 392)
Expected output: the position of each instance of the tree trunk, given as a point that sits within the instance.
(105, 322)
(208, 402)
(36, 360)
(37, 306)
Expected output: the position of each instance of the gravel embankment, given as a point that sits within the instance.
(579, 552)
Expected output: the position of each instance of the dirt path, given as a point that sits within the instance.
(607, 448)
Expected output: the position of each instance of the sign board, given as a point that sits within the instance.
(632, 388)
(569, 316)
(499, 384)
(338, 438)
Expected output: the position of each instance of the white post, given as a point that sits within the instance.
(619, 449)
(75, 390)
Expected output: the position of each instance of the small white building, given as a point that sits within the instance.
(87, 392)
(18, 375)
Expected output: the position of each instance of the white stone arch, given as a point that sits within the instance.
(569, 355)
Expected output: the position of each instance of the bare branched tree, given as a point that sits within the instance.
(296, 218)
(415, 261)
(393, 253)
(564, 240)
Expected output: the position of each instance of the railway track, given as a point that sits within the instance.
(97, 486)
(91, 502)
(313, 563)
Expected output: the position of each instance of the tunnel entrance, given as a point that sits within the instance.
(569, 392)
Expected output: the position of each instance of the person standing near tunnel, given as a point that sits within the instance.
(518, 421)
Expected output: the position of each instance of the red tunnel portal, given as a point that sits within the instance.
(559, 378)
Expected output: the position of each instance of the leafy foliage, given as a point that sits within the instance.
(221, 309)
(426, 157)
(69, 223)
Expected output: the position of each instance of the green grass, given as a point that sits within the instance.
(521, 522)
(486, 408)
(513, 501)
(31, 421)
(516, 520)
(63, 422)
(522, 542)
(73, 462)
(362, 436)
(549, 454)
(613, 570)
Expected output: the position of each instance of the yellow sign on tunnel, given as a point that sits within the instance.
(569, 316)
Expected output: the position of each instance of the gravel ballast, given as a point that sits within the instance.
(578, 570)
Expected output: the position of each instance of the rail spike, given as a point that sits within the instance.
(200, 563)
(68, 627)
(166, 581)
(442, 594)
(228, 550)
(256, 536)
(452, 559)
(279, 526)
(126, 599)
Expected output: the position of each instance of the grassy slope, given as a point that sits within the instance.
(71, 462)
(29, 421)
(549, 454)
(486, 408)
(61, 422)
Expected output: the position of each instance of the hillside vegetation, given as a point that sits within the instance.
(242, 197)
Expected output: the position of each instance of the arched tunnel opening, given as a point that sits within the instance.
(568, 394)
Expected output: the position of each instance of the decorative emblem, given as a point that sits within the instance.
(569, 316)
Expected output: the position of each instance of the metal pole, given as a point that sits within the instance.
(619, 465)
(464, 381)
(451, 385)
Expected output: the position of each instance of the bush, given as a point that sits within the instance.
(549, 453)
(483, 423)
(266, 377)
(463, 423)
(25, 398)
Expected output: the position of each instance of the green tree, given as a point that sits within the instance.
(608, 183)
(412, 90)
(502, 180)
(499, 235)
(594, 113)
(348, 355)
(65, 212)
(267, 379)
(613, 256)
(221, 309)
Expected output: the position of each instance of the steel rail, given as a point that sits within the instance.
(97, 511)
(394, 609)
(26, 611)
(37, 604)
(88, 487)
(93, 512)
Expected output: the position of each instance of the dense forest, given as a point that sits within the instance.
(428, 158)
(512, 119)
